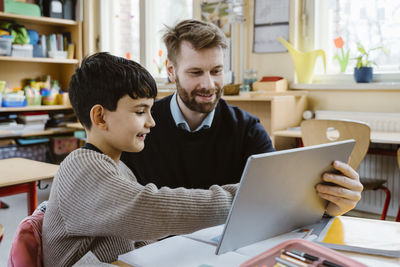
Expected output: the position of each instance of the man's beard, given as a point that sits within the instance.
(190, 99)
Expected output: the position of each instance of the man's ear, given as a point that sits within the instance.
(97, 116)
(171, 70)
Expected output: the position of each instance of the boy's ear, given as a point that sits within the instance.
(171, 70)
(97, 116)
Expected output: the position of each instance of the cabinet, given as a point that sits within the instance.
(14, 69)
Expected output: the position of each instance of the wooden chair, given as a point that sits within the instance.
(398, 161)
(1, 232)
(315, 132)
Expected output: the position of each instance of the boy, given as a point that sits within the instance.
(96, 203)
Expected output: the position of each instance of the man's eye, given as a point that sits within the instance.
(195, 72)
(139, 112)
(215, 72)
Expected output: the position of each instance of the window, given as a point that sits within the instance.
(374, 23)
(135, 28)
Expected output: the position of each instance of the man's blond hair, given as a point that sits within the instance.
(199, 34)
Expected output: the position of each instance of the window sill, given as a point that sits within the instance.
(347, 86)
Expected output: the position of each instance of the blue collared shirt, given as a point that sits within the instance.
(180, 120)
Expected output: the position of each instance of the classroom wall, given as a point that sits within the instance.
(281, 64)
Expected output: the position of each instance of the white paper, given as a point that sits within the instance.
(180, 251)
(271, 11)
(266, 38)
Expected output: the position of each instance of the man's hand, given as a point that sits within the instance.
(346, 194)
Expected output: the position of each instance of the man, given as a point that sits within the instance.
(199, 139)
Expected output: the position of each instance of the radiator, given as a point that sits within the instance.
(383, 167)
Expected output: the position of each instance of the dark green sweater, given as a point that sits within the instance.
(174, 157)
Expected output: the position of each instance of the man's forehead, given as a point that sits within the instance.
(205, 57)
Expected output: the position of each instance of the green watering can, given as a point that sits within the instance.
(304, 62)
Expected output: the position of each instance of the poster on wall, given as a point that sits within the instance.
(217, 13)
(271, 20)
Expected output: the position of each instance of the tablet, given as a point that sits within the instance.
(277, 193)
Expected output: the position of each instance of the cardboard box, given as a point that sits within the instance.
(276, 86)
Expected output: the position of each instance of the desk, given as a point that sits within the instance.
(196, 252)
(19, 175)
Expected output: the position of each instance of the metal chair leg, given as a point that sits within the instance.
(387, 201)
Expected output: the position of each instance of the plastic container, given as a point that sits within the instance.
(25, 50)
(13, 100)
(250, 76)
(268, 257)
(5, 45)
(58, 54)
(35, 100)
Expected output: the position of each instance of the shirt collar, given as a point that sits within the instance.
(180, 120)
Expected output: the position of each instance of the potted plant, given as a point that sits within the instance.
(363, 71)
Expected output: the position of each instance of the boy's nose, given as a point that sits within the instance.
(150, 123)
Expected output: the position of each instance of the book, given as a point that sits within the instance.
(362, 235)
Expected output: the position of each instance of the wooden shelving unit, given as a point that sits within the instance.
(14, 69)
(35, 108)
(39, 60)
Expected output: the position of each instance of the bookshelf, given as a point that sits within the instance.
(14, 69)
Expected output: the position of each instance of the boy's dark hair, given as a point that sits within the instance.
(104, 79)
(198, 33)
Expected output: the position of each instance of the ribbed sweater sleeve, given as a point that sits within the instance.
(98, 197)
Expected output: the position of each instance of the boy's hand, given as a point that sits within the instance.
(345, 194)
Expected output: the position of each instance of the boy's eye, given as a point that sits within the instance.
(139, 112)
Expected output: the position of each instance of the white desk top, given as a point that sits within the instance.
(195, 249)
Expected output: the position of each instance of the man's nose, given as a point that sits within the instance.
(207, 81)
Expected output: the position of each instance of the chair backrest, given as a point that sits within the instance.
(314, 132)
(26, 248)
(1, 232)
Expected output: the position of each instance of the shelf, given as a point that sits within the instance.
(38, 20)
(347, 86)
(50, 131)
(35, 108)
(39, 60)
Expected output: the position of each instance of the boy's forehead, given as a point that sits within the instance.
(138, 102)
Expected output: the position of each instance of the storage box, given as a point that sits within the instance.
(25, 50)
(58, 54)
(18, 7)
(5, 45)
(34, 152)
(13, 100)
(64, 145)
(63, 99)
(277, 86)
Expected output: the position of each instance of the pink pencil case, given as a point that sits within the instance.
(267, 258)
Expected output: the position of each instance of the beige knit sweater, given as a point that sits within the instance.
(96, 205)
